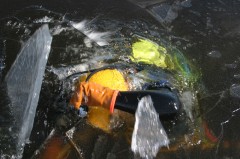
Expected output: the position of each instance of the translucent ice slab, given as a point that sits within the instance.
(24, 81)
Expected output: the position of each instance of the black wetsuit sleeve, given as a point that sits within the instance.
(165, 101)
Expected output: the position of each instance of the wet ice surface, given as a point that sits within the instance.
(24, 81)
(148, 134)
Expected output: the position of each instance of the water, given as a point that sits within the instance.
(148, 134)
(24, 81)
(206, 32)
(100, 38)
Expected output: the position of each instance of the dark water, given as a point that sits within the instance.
(207, 32)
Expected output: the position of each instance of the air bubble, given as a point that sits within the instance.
(214, 54)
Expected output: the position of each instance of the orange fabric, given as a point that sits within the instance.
(113, 101)
(93, 94)
(209, 134)
(55, 148)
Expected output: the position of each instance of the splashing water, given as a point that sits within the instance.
(148, 135)
(24, 82)
(101, 38)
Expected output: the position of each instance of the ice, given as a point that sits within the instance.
(166, 12)
(144, 3)
(24, 81)
(70, 133)
(148, 135)
(187, 98)
(235, 91)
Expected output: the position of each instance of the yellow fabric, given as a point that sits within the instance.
(99, 117)
(149, 52)
(111, 78)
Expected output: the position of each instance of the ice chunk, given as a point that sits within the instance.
(235, 91)
(163, 13)
(24, 81)
(148, 135)
(144, 3)
(187, 98)
(231, 66)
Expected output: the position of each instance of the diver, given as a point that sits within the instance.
(108, 86)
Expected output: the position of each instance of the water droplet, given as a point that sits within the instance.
(237, 76)
(214, 54)
(178, 43)
(231, 66)
(45, 123)
(9, 23)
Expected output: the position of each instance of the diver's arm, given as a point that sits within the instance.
(93, 94)
(164, 100)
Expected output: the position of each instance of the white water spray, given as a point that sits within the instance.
(101, 38)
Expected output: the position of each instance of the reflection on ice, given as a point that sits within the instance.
(148, 135)
(24, 82)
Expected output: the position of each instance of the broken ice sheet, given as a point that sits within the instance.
(148, 135)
